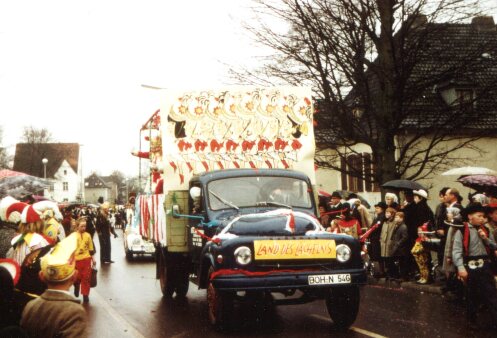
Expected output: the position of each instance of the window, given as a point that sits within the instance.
(358, 173)
(65, 186)
(464, 98)
(65, 172)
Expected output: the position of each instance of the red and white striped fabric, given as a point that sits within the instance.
(157, 217)
(144, 216)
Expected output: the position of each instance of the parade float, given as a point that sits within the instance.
(232, 203)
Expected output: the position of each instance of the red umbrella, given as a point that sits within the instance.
(10, 173)
(480, 183)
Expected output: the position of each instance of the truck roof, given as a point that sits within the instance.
(227, 173)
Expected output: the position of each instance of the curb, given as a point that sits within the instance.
(433, 288)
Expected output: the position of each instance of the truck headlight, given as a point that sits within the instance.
(343, 253)
(243, 255)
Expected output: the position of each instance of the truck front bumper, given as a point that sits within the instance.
(282, 280)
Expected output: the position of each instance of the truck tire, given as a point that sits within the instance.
(166, 282)
(219, 305)
(182, 284)
(343, 305)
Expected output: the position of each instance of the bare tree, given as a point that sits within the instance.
(4, 156)
(374, 66)
(32, 135)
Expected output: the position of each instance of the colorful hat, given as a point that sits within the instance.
(59, 265)
(12, 267)
(4, 204)
(48, 209)
(30, 215)
(14, 212)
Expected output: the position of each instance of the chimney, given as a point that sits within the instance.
(484, 23)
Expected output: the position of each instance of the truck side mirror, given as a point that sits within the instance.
(176, 211)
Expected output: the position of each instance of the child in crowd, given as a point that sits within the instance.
(399, 247)
(386, 239)
(84, 260)
(421, 255)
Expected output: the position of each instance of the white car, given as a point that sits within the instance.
(135, 244)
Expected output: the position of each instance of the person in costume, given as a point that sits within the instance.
(29, 239)
(84, 260)
(67, 316)
(346, 224)
(53, 229)
(473, 247)
(12, 301)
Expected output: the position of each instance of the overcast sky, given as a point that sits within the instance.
(75, 67)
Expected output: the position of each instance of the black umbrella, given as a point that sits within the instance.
(403, 185)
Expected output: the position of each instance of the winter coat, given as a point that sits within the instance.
(400, 241)
(67, 316)
(386, 238)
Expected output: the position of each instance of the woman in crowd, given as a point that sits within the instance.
(392, 200)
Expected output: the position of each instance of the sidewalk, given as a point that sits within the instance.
(434, 288)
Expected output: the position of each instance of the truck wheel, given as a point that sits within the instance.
(166, 282)
(182, 284)
(343, 305)
(220, 305)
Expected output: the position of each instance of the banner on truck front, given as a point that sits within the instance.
(240, 127)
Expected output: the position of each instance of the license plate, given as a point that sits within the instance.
(342, 278)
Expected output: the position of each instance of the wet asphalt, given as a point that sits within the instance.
(127, 302)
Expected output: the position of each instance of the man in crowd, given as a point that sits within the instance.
(56, 313)
(472, 246)
(104, 230)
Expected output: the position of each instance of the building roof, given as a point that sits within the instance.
(95, 181)
(438, 68)
(28, 157)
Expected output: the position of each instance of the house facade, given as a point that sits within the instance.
(58, 163)
(475, 90)
(96, 187)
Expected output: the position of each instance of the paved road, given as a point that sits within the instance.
(127, 303)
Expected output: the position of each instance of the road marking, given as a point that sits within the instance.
(353, 328)
(126, 326)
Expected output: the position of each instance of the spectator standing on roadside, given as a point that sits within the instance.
(104, 230)
(374, 237)
(392, 200)
(441, 226)
(56, 313)
(386, 241)
(472, 247)
(400, 249)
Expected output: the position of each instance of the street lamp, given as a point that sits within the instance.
(44, 161)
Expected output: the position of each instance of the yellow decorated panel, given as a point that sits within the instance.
(294, 249)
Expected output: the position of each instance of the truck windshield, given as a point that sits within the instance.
(259, 191)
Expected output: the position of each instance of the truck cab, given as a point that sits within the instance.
(255, 233)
